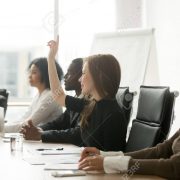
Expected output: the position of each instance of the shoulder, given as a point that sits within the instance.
(71, 99)
(112, 110)
(111, 106)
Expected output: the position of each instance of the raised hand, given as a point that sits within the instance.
(53, 45)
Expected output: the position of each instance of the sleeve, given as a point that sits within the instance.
(167, 168)
(45, 109)
(62, 122)
(12, 127)
(28, 111)
(116, 164)
(75, 104)
(111, 153)
(162, 150)
(115, 128)
(71, 135)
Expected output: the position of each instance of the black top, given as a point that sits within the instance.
(64, 129)
(107, 126)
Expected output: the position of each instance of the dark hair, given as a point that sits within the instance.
(78, 63)
(42, 65)
(106, 74)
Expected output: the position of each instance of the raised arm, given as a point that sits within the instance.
(56, 89)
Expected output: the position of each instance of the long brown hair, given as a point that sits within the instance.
(106, 74)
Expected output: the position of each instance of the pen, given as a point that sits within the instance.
(44, 149)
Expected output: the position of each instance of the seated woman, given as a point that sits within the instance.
(43, 108)
(103, 123)
(162, 160)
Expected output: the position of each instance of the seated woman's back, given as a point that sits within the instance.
(106, 127)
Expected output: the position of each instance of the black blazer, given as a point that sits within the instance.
(64, 129)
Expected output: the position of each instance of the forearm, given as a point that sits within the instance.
(62, 122)
(12, 127)
(167, 168)
(56, 89)
(72, 135)
(55, 84)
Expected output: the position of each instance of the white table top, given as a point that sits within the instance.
(12, 165)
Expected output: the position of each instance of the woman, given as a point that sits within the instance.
(42, 109)
(103, 124)
(161, 160)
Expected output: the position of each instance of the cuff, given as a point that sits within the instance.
(116, 164)
(111, 153)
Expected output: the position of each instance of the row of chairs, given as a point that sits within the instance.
(155, 114)
(4, 99)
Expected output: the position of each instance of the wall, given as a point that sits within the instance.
(164, 16)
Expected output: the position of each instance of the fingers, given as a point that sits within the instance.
(88, 151)
(92, 163)
(84, 154)
(24, 128)
(90, 168)
(85, 163)
(30, 123)
(57, 40)
(53, 43)
(22, 131)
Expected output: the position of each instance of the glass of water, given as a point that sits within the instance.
(16, 142)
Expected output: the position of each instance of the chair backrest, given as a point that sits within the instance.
(125, 101)
(4, 99)
(154, 118)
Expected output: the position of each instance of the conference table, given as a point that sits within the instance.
(14, 165)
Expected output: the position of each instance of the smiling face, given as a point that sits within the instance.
(34, 76)
(87, 84)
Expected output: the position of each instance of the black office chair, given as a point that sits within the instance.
(154, 117)
(125, 101)
(4, 99)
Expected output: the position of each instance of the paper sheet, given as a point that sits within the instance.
(61, 167)
(42, 160)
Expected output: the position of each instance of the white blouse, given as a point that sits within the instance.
(115, 162)
(43, 109)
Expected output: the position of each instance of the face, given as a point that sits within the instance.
(86, 80)
(71, 78)
(34, 76)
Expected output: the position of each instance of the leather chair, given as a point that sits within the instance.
(125, 101)
(4, 99)
(154, 117)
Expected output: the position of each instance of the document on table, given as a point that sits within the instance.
(61, 167)
(62, 152)
(55, 159)
(56, 151)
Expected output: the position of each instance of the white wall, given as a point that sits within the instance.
(164, 15)
(129, 13)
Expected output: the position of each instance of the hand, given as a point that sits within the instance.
(92, 163)
(31, 132)
(53, 48)
(89, 151)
